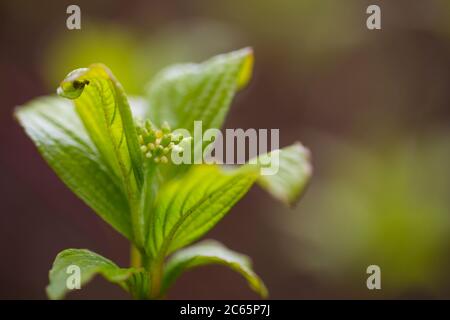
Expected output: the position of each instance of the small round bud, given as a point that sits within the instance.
(165, 140)
(148, 125)
(159, 150)
(164, 159)
(165, 127)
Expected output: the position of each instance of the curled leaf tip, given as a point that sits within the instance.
(73, 85)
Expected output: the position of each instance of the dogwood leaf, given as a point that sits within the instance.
(88, 264)
(182, 94)
(188, 207)
(55, 128)
(287, 172)
(211, 252)
(105, 112)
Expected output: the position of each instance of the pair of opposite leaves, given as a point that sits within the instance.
(93, 147)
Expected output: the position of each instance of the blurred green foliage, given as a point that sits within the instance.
(135, 58)
(308, 33)
(386, 205)
(110, 45)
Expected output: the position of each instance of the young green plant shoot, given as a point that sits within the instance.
(114, 152)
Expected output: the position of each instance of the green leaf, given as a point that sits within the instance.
(292, 175)
(53, 125)
(188, 207)
(103, 108)
(90, 264)
(185, 93)
(207, 253)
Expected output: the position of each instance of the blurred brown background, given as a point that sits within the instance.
(373, 106)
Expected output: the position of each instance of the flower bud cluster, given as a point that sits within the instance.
(158, 144)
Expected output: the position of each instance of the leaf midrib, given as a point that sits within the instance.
(166, 242)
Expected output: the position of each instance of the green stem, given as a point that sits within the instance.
(156, 274)
(137, 222)
(135, 257)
